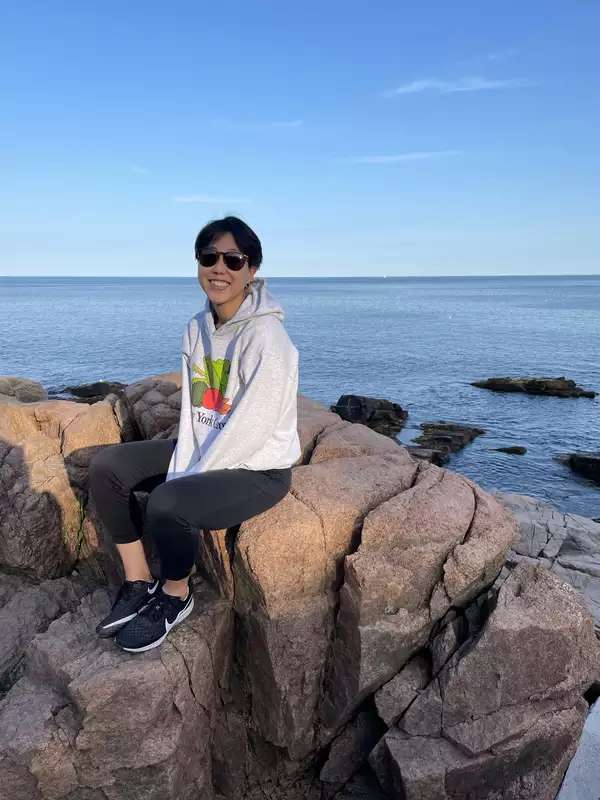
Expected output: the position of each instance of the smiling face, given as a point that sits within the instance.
(224, 287)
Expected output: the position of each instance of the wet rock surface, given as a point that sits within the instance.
(440, 439)
(586, 464)
(376, 413)
(555, 387)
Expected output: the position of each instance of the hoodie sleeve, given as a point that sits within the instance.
(269, 376)
(184, 452)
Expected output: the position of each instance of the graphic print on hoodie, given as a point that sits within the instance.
(239, 387)
(208, 390)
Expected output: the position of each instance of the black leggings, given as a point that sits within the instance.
(178, 509)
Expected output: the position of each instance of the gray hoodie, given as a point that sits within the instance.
(239, 386)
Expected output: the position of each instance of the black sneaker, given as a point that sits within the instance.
(131, 597)
(154, 621)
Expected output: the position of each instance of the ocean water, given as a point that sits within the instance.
(416, 341)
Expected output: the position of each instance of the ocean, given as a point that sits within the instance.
(416, 341)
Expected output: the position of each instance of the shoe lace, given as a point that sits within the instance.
(156, 607)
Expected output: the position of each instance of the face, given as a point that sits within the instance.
(224, 287)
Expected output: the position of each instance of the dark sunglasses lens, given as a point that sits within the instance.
(207, 258)
(234, 261)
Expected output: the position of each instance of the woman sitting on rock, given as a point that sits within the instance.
(237, 440)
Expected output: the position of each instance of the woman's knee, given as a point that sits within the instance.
(162, 504)
(103, 463)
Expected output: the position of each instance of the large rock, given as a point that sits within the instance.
(45, 451)
(503, 717)
(358, 516)
(457, 534)
(151, 407)
(91, 721)
(568, 544)
(366, 599)
(377, 413)
(27, 608)
(556, 387)
(20, 390)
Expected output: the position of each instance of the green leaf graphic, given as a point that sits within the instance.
(198, 389)
(217, 372)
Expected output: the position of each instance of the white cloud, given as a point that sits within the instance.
(418, 155)
(207, 198)
(139, 170)
(470, 84)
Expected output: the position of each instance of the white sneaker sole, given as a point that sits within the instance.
(185, 612)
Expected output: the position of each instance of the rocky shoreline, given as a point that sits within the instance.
(388, 630)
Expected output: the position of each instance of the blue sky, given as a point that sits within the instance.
(356, 138)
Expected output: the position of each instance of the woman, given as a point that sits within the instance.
(236, 444)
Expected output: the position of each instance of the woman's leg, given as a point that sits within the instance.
(115, 472)
(177, 512)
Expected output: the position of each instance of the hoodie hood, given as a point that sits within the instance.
(258, 303)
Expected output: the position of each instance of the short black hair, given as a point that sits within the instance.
(245, 238)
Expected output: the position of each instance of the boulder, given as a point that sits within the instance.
(586, 464)
(555, 387)
(20, 390)
(151, 406)
(568, 544)
(88, 720)
(504, 716)
(27, 608)
(440, 439)
(377, 413)
(45, 450)
(89, 392)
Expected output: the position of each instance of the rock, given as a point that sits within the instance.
(379, 414)
(513, 449)
(376, 593)
(586, 464)
(89, 392)
(444, 438)
(20, 390)
(350, 749)
(27, 608)
(396, 695)
(153, 405)
(88, 717)
(555, 387)
(437, 457)
(568, 544)
(459, 537)
(582, 778)
(502, 718)
(45, 450)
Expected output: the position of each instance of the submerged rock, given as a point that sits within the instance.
(440, 439)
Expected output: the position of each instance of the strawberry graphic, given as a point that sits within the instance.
(208, 389)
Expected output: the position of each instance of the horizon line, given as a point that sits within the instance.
(342, 277)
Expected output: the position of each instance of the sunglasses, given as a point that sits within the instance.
(209, 256)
